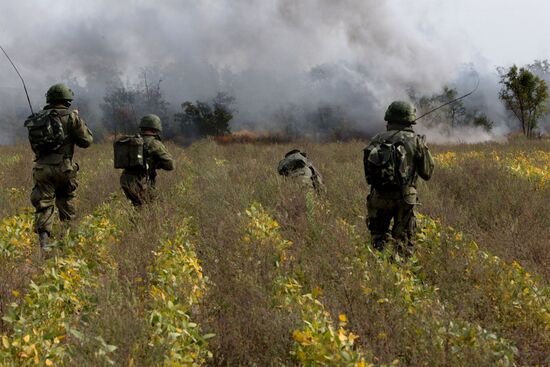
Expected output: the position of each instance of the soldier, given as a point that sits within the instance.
(393, 161)
(295, 164)
(139, 183)
(53, 134)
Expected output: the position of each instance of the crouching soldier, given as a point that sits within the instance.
(296, 165)
(138, 181)
(53, 134)
(393, 161)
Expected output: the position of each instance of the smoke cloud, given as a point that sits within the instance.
(273, 56)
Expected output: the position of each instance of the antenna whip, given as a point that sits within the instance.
(23, 81)
(453, 101)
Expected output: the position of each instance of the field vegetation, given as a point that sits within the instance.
(236, 266)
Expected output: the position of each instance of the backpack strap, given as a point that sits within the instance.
(392, 135)
(150, 172)
(62, 111)
(67, 149)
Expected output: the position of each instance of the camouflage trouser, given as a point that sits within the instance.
(137, 188)
(53, 184)
(381, 209)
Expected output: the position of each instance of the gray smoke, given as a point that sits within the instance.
(272, 56)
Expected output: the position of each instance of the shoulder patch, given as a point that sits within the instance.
(155, 144)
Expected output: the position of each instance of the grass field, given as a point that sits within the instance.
(236, 266)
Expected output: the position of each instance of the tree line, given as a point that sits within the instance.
(523, 92)
(123, 106)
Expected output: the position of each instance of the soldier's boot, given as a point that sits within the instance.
(380, 241)
(44, 240)
(379, 244)
(67, 227)
(405, 249)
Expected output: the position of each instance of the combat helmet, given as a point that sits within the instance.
(59, 92)
(151, 121)
(401, 112)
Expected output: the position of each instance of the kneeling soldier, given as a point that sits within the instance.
(296, 165)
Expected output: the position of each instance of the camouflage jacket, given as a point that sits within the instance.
(76, 133)
(418, 158)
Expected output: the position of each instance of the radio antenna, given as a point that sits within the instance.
(22, 80)
(453, 101)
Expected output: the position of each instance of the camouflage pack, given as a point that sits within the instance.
(293, 161)
(386, 166)
(129, 152)
(46, 133)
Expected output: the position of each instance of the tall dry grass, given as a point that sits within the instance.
(214, 185)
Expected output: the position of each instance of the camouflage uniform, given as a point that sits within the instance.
(296, 165)
(54, 173)
(398, 204)
(139, 184)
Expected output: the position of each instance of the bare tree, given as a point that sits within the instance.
(123, 106)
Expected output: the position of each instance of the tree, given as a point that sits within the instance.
(152, 100)
(455, 113)
(287, 118)
(330, 121)
(481, 120)
(124, 105)
(541, 68)
(206, 119)
(119, 111)
(525, 95)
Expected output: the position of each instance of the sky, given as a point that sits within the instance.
(500, 32)
(272, 55)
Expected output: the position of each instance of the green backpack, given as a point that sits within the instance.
(129, 152)
(386, 166)
(46, 133)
